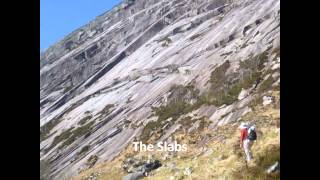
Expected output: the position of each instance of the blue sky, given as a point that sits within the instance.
(58, 18)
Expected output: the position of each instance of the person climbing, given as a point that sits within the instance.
(247, 137)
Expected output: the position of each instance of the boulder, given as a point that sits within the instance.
(153, 164)
(275, 75)
(194, 127)
(134, 176)
(244, 93)
(132, 165)
(208, 152)
(276, 66)
(266, 100)
(187, 171)
(275, 167)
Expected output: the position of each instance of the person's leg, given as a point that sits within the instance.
(246, 146)
(249, 149)
(250, 152)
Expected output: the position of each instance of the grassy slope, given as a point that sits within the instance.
(225, 162)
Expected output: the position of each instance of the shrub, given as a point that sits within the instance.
(255, 63)
(69, 136)
(255, 102)
(45, 136)
(266, 84)
(80, 131)
(225, 89)
(218, 76)
(64, 135)
(166, 41)
(276, 51)
(91, 161)
(230, 94)
(84, 120)
(203, 123)
(251, 79)
(177, 106)
(174, 110)
(84, 149)
(106, 110)
(264, 161)
(46, 128)
(186, 121)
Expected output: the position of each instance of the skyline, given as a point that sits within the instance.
(59, 18)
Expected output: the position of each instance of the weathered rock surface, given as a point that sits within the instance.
(138, 168)
(275, 167)
(99, 83)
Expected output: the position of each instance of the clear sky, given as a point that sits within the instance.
(58, 18)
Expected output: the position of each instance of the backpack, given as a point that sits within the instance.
(252, 135)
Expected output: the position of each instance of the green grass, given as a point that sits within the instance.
(45, 136)
(218, 76)
(263, 161)
(46, 128)
(75, 134)
(266, 84)
(230, 94)
(173, 110)
(227, 159)
(177, 106)
(183, 90)
(91, 160)
(225, 89)
(277, 52)
(64, 135)
(84, 120)
(187, 121)
(251, 79)
(106, 110)
(255, 102)
(255, 63)
(203, 123)
(165, 41)
(69, 136)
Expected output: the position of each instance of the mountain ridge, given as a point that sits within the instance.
(102, 87)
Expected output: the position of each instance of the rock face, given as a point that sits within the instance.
(133, 165)
(134, 176)
(100, 83)
(273, 168)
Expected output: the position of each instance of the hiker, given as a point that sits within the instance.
(247, 136)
